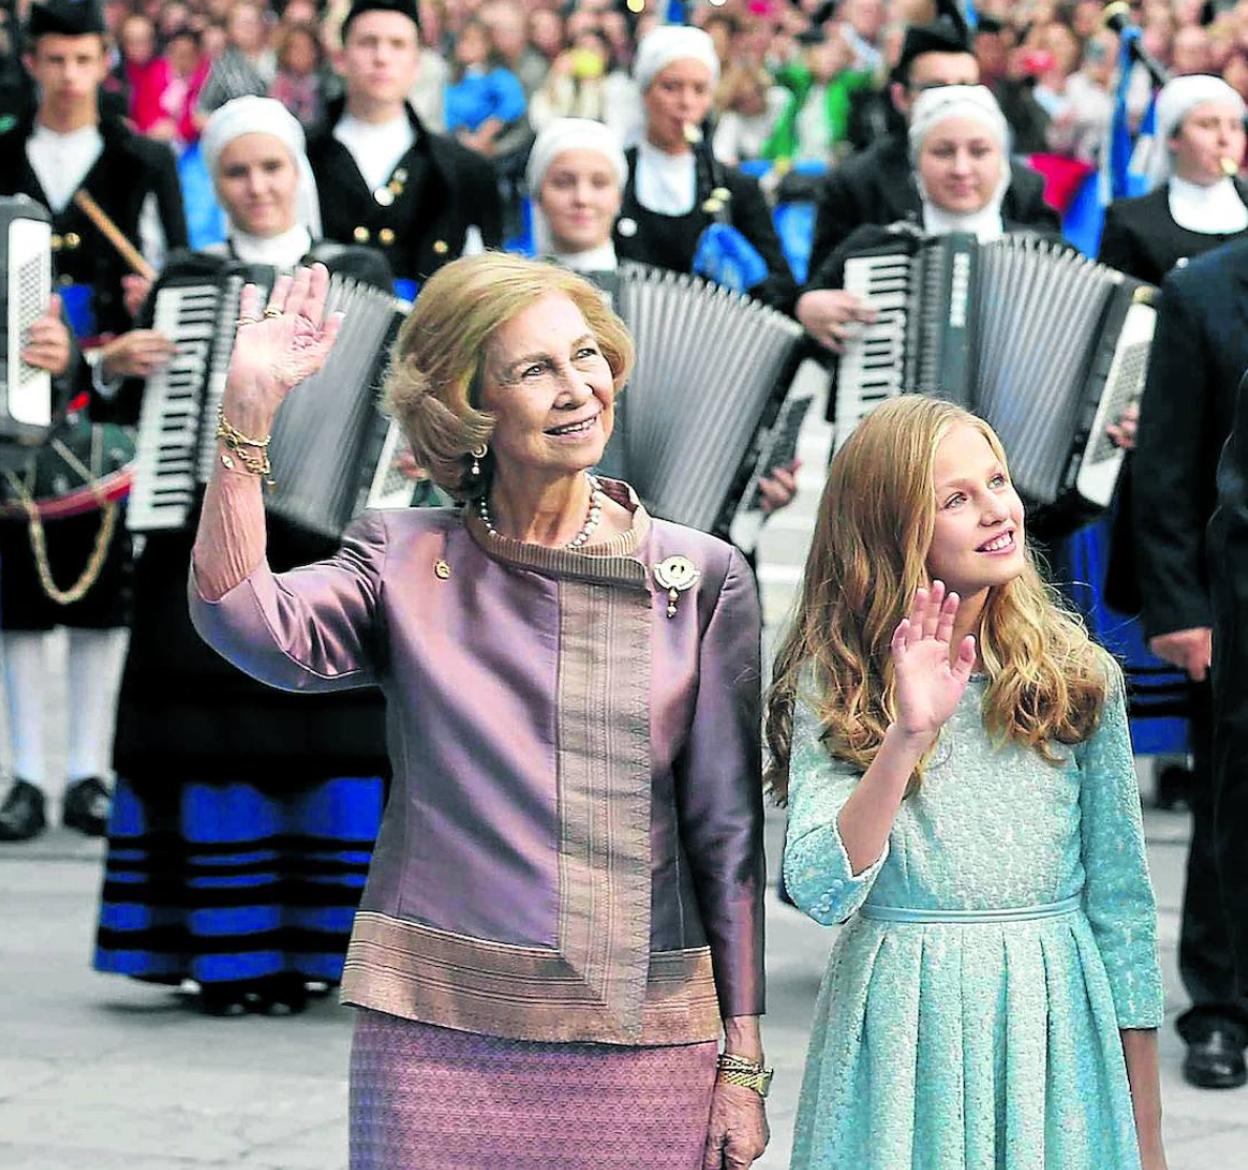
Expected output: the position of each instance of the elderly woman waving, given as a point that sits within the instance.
(564, 911)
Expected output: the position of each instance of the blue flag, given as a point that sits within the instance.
(1126, 161)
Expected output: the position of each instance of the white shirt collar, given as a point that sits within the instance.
(666, 184)
(1216, 210)
(377, 147)
(284, 251)
(600, 259)
(62, 161)
(985, 225)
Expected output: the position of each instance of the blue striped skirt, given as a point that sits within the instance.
(223, 882)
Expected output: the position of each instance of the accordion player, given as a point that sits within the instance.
(1048, 346)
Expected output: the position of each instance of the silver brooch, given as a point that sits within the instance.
(677, 575)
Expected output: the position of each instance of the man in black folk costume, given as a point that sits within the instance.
(384, 180)
(1228, 567)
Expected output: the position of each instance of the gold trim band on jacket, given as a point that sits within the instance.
(421, 973)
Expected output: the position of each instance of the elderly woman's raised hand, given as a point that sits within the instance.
(278, 346)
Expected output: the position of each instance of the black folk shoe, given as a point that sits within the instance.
(86, 806)
(22, 816)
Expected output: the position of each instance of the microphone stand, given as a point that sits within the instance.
(1117, 18)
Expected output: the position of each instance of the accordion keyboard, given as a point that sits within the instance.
(870, 370)
(166, 446)
(1124, 385)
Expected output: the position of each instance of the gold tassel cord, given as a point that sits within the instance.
(109, 510)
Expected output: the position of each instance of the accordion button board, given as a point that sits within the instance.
(26, 240)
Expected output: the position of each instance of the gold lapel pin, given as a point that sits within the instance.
(677, 575)
(441, 570)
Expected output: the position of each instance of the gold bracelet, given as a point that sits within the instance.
(736, 1070)
(730, 1061)
(233, 436)
(252, 454)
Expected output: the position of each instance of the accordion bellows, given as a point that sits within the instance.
(708, 366)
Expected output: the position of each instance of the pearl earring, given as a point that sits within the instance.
(478, 453)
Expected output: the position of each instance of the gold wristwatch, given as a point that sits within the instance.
(736, 1070)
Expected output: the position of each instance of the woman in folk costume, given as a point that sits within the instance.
(959, 142)
(576, 176)
(1197, 200)
(677, 190)
(244, 819)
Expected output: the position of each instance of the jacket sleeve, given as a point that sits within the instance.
(752, 217)
(719, 794)
(168, 192)
(835, 217)
(817, 871)
(1117, 243)
(831, 273)
(1171, 446)
(1117, 895)
(312, 629)
(1228, 538)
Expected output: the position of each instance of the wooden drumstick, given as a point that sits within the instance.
(111, 232)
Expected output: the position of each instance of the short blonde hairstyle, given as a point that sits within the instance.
(433, 387)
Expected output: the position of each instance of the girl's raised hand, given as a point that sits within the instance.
(929, 681)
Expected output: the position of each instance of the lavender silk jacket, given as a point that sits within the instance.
(572, 849)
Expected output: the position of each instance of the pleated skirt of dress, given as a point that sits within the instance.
(225, 883)
(428, 1098)
(965, 1047)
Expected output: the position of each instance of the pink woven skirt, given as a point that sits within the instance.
(426, 1098)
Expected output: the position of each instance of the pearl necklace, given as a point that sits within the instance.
(581, 538)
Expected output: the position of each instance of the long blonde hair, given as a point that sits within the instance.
(1047, 679)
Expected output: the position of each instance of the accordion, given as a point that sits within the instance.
(702, 397)
(1045, 345)
(332, 451)
(25, 392)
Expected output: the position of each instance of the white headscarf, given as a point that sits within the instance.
(257, 115)
(672, 42)
(934, 106)
(567, 134)
(1176, 99)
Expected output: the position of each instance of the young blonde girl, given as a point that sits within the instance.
(954, 753)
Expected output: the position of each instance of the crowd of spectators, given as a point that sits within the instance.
(803, 81)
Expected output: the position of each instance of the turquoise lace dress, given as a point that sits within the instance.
(970, 1010)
